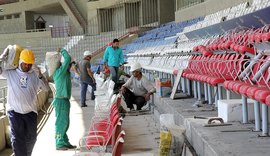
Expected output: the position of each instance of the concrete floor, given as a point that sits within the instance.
(142, 134)
(233, 140)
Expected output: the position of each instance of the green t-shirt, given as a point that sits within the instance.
(121, 72)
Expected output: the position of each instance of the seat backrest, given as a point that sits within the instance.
(118, 146)
(111, 84)
(252, 67)
(261, 77)
(105, 84)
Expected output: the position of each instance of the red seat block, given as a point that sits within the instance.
(262, 94)
(243, 89)
(251, 92)
(267, 100)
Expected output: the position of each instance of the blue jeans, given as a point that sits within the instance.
(114, 73)
(84, 86)
(23, 132)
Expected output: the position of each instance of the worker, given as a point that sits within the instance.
(138, 89)
(113, 57)
(23, 85)
(61, 101)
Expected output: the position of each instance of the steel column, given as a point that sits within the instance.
(244, 110)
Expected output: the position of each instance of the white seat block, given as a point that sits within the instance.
(231, 110)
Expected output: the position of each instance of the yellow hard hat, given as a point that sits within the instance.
(27, 56)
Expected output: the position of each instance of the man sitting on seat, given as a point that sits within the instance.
(138, 89)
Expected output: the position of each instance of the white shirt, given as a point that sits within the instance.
(22, 90)
(139, 87)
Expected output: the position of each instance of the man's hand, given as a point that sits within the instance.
(36, 69)
(58, 49)
(147, 96)
(4, 55)
(123, 89)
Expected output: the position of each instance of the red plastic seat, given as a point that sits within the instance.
(267, 100)
(266, 37)
(262, 94)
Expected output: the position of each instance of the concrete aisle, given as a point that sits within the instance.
(79, 123)
(142, 134)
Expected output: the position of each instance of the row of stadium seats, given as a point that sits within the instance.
(106, 125)
(237, 61)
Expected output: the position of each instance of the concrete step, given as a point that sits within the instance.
(234, 140)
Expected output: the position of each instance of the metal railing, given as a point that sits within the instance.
(3, 100)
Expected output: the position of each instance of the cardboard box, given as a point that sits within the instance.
(163, 87)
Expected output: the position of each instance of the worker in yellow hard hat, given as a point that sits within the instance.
(23, 85)
(27, 59)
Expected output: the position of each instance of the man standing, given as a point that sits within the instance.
(113, 57)
(61, 102)
(141, 88)
(87, 77)
(23, 85)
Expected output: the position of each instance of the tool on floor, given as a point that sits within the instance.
(211, 122)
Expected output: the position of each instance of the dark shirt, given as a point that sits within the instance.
(84, 76)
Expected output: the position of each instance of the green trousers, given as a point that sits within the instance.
(62, 109)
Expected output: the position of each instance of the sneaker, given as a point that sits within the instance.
(145, 107)
(83, 105)
(63, 148)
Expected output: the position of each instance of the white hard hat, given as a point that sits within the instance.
(135, 66)
(87, 53)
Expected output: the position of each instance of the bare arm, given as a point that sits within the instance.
(76, 69)
(90, 74)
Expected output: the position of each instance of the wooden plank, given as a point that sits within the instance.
(176, 83)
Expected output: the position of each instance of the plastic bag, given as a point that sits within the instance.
(52, 62)
(171, 136)
(12, 59)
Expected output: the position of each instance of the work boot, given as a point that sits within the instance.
(71, 146)
(83, 105)
(63, 148)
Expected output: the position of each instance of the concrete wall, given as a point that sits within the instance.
(149, 11)
(55, 20)
(12, 25)
(92, 7)
(25, 21)
(205, 8)
(29, 20)
(166, 10)
(24, 6)
(132, 14)
(118, 18)
(82, 7)
(44, 34)
(33, 39)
